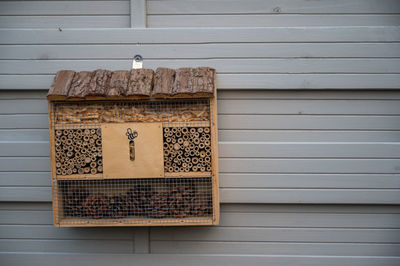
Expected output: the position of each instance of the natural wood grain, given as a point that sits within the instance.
(188, 174)
(203, 80)
(140, 82)
(99, 83)
(148, 161)
(163, 82)
(80, 177)
(80, 83)
(137, 83)
(118, 83)
(193, 81)
(136, 222)
(183, 81)
(61, 83)
(53, 164)
(214, 154)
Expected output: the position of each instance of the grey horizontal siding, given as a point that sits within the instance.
(198, 52)
(202, 35)
(224, 66)
(64, 14)
(330, 230)
(308, 109)
(61, 22)
(193, 259)
(65, 245)
(355, 162)
(336, 59)
(270, 20)
(282, 13)
(54, 8)
(260, 6)
(288, 230)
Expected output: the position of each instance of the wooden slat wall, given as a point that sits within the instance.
(262, 233)
(268, 150)
(65, 14)
(309, 122)
(275, 13)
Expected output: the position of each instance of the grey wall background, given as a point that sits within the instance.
(309, 120)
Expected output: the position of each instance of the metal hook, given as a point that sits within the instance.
(137, 62)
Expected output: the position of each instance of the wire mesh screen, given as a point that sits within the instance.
(68, 114)
(78, 151)
(135, 199)
(187, 149)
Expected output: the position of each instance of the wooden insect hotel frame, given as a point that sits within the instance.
(134, 148)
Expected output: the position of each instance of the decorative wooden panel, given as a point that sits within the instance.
(134, 147)
(146, 160)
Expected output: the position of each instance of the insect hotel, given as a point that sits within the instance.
(134, 148)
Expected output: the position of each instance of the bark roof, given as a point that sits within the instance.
(136, 83)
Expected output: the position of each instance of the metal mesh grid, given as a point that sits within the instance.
(69, 114)
(133, 200)
(187, 149)
(78, 151)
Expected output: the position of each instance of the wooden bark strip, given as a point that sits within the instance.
(61, 83)
(99, 83)
(203, 80)
(192, 81)
(183, 81)
(119, 83)
(140, 82)
(163, 82)
(80, 84)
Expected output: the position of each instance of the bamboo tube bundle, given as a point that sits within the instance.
(187, 143)
(78, 151)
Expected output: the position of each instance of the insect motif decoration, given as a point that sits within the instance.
(131, 134)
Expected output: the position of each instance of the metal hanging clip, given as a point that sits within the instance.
(137, 62)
